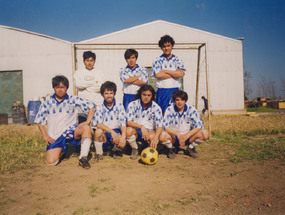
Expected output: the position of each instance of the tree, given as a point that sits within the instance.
(247, 86)
(282, 85)
(266, 88)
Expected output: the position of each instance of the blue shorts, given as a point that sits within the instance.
(62, 140)
(164, 97)
(176, 144)
(109, 138)
(127, 99)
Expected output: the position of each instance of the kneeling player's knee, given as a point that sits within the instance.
(52, 162)
(163, 137)
(205, 134)
(129, 131)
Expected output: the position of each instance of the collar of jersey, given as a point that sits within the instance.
(167, 58)
(113, 105)
(147, 107)
(185, 109)
(133, 68)
(66, 97)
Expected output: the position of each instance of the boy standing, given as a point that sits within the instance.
(110, 123)
(59, 111)
(183, 125)
(132, 76)
(168, 69)
(89, 80)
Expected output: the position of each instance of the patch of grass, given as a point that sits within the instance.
(93, 189)
(261, 109)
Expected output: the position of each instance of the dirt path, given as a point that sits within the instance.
(180, 186)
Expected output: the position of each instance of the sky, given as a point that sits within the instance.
(260, 22)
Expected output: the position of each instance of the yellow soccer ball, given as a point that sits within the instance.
(149, 156)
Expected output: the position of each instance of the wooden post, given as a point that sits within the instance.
(208, 94)
(197, 78)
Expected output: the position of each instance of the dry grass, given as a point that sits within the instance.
(22, 146)
(262, 124)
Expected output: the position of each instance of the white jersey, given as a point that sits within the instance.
(189, 119)
(60, 116)
(151, 117)
(171, 64)
(88, 83)
(127, 72)
(113, 118)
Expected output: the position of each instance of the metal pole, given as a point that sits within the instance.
(208, 94)
(197, 78)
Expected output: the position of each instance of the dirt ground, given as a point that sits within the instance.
(206, 185)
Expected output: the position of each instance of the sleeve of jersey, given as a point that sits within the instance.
(97, 118)
(122, 116)
(41, 117)
(144, 75)
(83, 104)
(158, 116)
(130, 112)
(180, 65)
(123, 75)
(196, 118)
(156, 67)
(166, 119)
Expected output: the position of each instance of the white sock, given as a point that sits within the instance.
(132, 141)
(98, 147)
(85, 145)
(168, 144)
(195, 143)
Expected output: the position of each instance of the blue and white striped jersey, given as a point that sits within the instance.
(172, 64)
(151, 117)
(113, 118)
(127, 72)
(189, 119)
(60, 116)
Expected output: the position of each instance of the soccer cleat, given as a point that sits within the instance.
(192, 152)
(98, 157)
(84, 163)
(117, 154)
(171, 154)
(134, 154)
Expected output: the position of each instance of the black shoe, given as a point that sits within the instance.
(117, 154)
(192, 152)
(134, 154)
(98, 157)
(84, 163)
(171, 154)
(76, 152)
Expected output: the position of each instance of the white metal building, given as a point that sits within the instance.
(28, 61)
(221, 57)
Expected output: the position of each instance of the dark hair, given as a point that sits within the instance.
(165, 39)
(60, 79)
(203, 97)
(145, 87)
(108, 85)
(89, 54)
(130, 52)
(181, 94)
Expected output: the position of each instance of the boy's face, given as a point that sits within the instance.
(89, 63)
(108, 96)
(132, 61)
(60, 91)
(167, 49)
(179, 103)
(146, 97)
